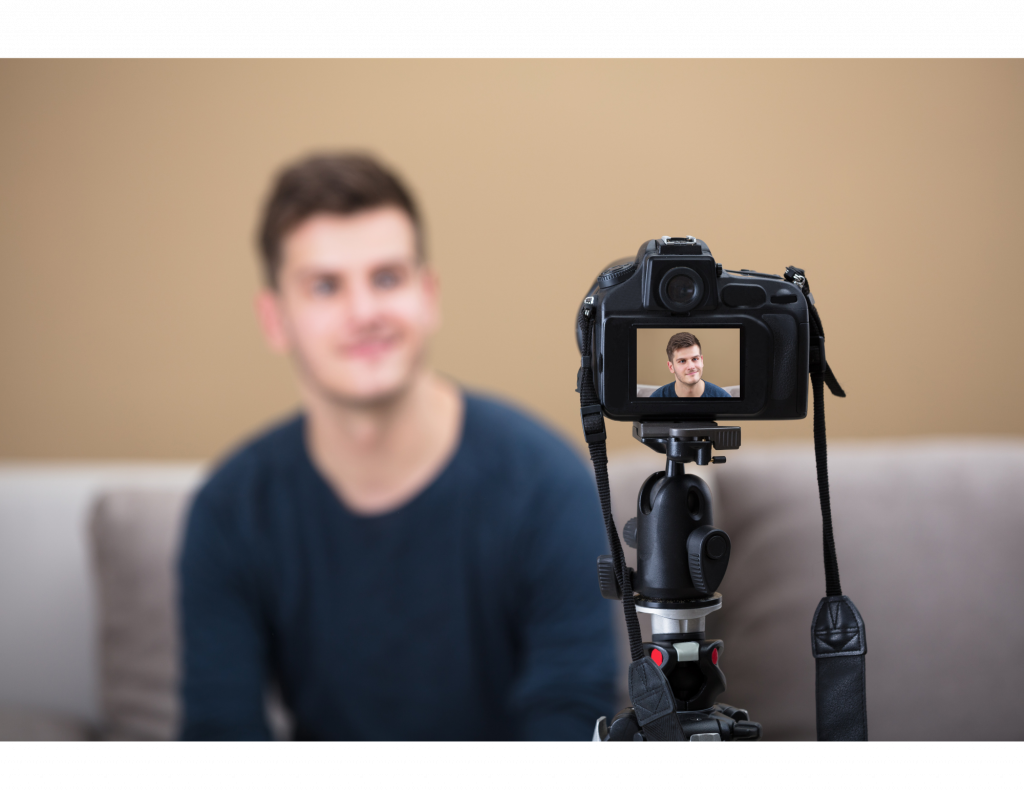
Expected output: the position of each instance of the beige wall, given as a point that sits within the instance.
(129, 192)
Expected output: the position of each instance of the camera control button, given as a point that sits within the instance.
(716, 547)
(746, 295)
(785, 297)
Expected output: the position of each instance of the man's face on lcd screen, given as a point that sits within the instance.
(354, 306)
(687, 365)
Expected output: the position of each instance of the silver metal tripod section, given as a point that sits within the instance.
(680, 621)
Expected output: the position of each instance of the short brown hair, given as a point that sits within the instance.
(680, 341)
(343, 183)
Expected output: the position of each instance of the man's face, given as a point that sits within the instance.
(353, 306)
(687, 365)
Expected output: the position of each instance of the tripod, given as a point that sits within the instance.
(681, 560)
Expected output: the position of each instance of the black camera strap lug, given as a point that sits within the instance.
(817, 357)
(593, 428)
(797, 276)
(584, 365)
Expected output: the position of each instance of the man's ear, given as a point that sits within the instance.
(669, 364)
(432, 289)
(269, 312)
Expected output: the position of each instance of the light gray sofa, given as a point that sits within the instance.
(644, 391)
(50, 649)
(930, 540)
(930, 537)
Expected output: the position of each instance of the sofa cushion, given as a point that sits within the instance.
(18, 724)
(929, 536)
(135, 536)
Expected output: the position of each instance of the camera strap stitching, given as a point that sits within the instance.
(594, 432)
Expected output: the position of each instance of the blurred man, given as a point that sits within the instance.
(686, 363)
(402, 560)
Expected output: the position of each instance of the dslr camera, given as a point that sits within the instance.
(754, 331)
(738, 345)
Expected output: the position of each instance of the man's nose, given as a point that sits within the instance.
(364, 304)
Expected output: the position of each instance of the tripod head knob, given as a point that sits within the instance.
(707, 550)
(606, 578)
(629, 532)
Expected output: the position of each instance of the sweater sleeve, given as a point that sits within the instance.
(568, 669)
(224, 642)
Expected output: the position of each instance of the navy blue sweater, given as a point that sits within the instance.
(710, 391)
(471, 612)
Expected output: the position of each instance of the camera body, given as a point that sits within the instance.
(675, 282)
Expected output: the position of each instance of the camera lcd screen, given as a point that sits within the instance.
(681, 362)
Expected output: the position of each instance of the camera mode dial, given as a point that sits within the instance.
(617, 272)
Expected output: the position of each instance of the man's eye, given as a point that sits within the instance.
(324, 286)
(386, 279)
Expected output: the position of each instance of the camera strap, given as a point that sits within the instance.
(595, 435)
(649, 690)
(838, 637)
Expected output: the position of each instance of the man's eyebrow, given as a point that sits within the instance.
(391, 263)
(317, 270)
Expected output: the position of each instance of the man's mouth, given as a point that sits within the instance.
(369, 348)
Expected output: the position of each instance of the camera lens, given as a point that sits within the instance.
(681, 289)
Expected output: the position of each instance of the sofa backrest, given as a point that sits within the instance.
(930, 537)
(930, 540)
(48, 646)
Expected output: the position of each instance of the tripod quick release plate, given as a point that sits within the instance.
(721, 437)
(688, 442)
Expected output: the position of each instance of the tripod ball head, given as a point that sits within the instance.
(680, 554)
